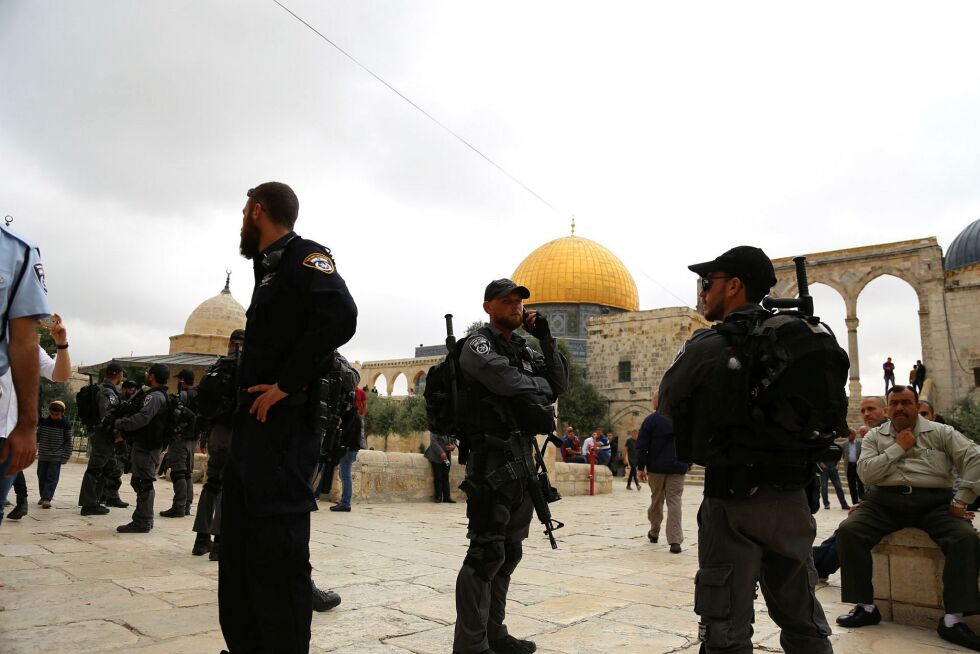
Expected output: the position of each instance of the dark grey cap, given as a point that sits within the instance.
(750, 264)
(499, 288)
(113, 369)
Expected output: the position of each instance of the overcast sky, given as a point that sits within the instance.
(129, 133)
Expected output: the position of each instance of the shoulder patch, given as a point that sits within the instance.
(480, 345)
(319, 261)
(39, 273)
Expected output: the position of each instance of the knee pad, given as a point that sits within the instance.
(141, 485)
(179, 475)
(486, 559)
(513, 552)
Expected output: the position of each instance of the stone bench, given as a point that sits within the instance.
(908, 579)
(403, 477)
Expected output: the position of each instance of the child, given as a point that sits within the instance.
(53, 450)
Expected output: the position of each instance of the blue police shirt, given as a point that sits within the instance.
(22, 289)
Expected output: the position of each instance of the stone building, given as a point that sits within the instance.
(962, 295)
(629, 354)
(573, 279)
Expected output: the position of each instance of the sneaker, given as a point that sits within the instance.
(675, 548)
(19, 511)
(133, 528)
(510, 645)
(653, 537)
(98, 509)
(202, 545)
(859, 617)
(324, 600)
(826, 507)
(173, 512)
(340, 507)
(959, 634)
(116, 503)
(45, 504)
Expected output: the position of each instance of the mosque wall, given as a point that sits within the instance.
(963, 317)
(629, 354)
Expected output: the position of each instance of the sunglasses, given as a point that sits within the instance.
(706, 282)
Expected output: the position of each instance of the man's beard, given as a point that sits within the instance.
(249, 244)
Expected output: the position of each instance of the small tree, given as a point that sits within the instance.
(474, 327)
(581, 405)
(411, 416)
(965, 418)
(380, 417)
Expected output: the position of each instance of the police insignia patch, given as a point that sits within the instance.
(480, 345)
(319, 261)
(39, 272)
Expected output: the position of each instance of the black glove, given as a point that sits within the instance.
(540, 330)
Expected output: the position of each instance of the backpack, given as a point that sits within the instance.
(87, 401)
(784, 398)
(217, 391)
(180, 418)
(444, 390)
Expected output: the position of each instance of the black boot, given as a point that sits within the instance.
(173, 512)
(202, 545)
(215, 549)
(19, 511)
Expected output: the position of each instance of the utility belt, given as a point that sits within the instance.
(742, 481)
(520, 464)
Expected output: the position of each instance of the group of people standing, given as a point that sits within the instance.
(917, 376)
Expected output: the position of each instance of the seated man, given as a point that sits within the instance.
(571, 450)
(604, 455)
(910, 463)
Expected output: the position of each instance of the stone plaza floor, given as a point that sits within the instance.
(72, 584)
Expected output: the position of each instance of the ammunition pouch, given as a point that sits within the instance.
(533, 413)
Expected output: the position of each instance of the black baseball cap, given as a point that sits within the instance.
(499, 288)
(750, 264)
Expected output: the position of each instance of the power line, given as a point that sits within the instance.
(420, 109)
(684, 302)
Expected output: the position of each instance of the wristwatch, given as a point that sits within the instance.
(960, 504)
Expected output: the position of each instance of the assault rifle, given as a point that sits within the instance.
(329, 409)
(803, 303)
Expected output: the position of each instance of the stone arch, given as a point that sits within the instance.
(374, 380)
(905, 309)
(418, 381)
(394, 380)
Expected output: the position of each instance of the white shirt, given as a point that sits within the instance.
(8, 399)
(587, 446)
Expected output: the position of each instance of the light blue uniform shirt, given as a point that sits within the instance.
(22, 289)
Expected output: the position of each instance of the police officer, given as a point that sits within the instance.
(301, 311)
(180, 452)
(754, 523)
(103, 475)
(23, 300)
(148, 430)
(505, 385)
(215, 444)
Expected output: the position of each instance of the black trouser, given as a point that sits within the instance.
(103, 475)
(632, 477)
(440, 479)
(180, 460)
(883, 512)
(265, 593)
(498, 522)
(208, 519)
(854, 483)
(740, 543)
(144, 462)
(20, 488)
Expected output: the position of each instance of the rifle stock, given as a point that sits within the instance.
(328, 399)
(804, 302)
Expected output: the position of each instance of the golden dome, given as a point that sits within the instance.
(217, 316)
(575, 270)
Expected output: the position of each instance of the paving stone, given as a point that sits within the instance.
(173, 622)
(599, 635)
(80, 637)
(570, 608)
(21, 550)
(338, 629)
(118, 605)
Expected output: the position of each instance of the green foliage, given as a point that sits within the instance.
(474, 327)
(581, 405)
(51, 391)
(965, 418)
(380, 417)
(411, 416)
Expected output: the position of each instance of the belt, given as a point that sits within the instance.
(908, 490)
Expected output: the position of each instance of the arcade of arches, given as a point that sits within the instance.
(413, 369)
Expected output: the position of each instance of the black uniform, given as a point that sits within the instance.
(208, 518)
(180, 460)
(740, 542)
(300, 312)
(498, 374)
(148, 430)
(103, 475)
